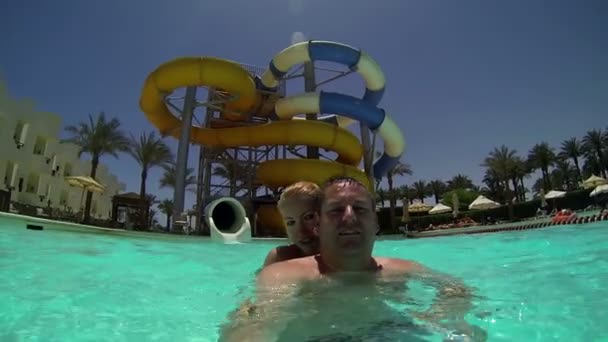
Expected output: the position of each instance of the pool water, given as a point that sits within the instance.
(538, 285)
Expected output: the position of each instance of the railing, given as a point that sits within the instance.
(257, 70)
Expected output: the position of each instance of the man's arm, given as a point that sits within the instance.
(454, 298)
(271, 257)
(450, 306)
(261, 320)
(452, 302)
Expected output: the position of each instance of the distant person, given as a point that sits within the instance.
(298, 206)
(343, 293)
(604, 211)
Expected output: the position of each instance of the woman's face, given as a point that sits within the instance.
(302, 222)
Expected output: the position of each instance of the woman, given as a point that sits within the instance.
(298, 206)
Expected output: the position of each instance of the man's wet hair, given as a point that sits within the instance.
(346, 180)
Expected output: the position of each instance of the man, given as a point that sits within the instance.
(298, 206)
(344, 292)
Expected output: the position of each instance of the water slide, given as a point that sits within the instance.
(284, 129)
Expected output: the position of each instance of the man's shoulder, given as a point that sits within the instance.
(291, 270)
(398, 265)
(288, 251)
(281, 253)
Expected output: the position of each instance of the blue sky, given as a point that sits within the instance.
(462, 76)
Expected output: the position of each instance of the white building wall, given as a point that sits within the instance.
(30, 144)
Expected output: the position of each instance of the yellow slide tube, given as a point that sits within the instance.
(231, 77)
(282, 172)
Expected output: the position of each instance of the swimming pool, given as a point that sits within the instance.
(537, 285)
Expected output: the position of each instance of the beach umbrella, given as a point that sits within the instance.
(593, 181)
(482, 202)
(440, 209)
(602, 189)
(455, 205)
(86, 183)
(555, 194)
(419, 207)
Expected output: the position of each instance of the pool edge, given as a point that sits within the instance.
(83, 228)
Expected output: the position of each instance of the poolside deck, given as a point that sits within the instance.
(519, 225)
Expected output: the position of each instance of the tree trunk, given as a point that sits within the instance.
(436, 198)
(168, 222)
(515, 187)
(567, 181)
(509, 200)
(600, 160)
(142, 196)
(523, 189)
(391, 196)
(142, 185)
(578, 169)
(93, 174)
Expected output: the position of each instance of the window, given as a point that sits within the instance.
(67, 170)
(10, 174)
(33, 183)
(40, 146)
(47, 192)
(20, 133)
(63, 197)
(54, 165)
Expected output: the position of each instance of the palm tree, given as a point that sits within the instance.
(152, 218)
(234, 172)
(501, 161)
(97, 137)
(437, 188)
(572, 149)
(169, 177)
(149, 151)
(151, 213)
(538, 185)
(593, 145)
(460, 181)
(166, 207)
(493, 187)
(541, 156)
(405, 192)
(591, 166)
(380, 196)
(564, 175)
(519, 170)
(401, 169)
(421, 189)
(152, 199)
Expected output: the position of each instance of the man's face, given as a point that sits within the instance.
(348, 219)
(301, 221)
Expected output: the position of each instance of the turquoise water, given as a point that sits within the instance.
(539, 285)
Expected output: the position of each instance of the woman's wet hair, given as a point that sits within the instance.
(301, 190)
